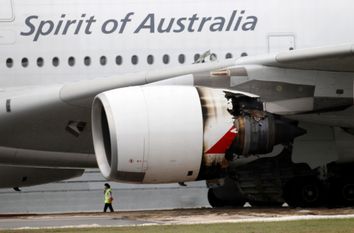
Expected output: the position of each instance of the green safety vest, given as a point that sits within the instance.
(108, 196)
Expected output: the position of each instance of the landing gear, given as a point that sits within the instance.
(267, 182)
(217, 202)
(299, 192)
(347, 191)
(310, 194)
(304, 192)
(341, 193)
(214, 201)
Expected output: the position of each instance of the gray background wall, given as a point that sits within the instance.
(86, 194)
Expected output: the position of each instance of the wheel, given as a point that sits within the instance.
(342, 192)
(310, 194)
(217, 202)
(305, 192)
(213, 200)
(347, 193)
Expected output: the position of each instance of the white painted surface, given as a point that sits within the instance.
(154, 130)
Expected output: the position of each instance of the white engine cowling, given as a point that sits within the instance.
(155, 134)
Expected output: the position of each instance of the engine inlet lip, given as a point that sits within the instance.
(106, 136)
(106, 162)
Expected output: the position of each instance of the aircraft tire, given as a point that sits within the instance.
(304, 192)
(347, 192)
(341, 193)
(216, 202)
(335, 198)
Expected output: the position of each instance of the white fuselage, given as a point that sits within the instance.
(36, 31)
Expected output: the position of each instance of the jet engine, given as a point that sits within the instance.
(163, 134)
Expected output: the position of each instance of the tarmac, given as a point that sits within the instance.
(85, 194)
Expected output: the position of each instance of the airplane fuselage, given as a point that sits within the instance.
(42, 43)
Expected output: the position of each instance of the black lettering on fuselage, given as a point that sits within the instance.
(180, 25)
(204, 20)
(148, 23)
(235, 21)
(89, 23)
(251, 23)
(160, 28)
(191, 22)
(30, 25)
(109, 26)
(59, 25)
(78, 28)
(63, 26)
(44, 28)
(218, 24)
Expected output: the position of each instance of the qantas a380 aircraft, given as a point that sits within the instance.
(253, 96)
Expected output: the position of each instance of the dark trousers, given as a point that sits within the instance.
(108, 205)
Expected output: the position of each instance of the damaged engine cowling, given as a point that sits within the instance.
(258, 131)
(163, 134)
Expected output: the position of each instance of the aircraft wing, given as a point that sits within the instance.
(88, 89)
(303, 82)
(331, 58)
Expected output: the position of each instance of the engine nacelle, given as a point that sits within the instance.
(162, 134)
(148, 134)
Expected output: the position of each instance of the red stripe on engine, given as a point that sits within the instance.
(223, 144)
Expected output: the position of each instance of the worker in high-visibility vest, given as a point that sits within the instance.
(108, 198)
